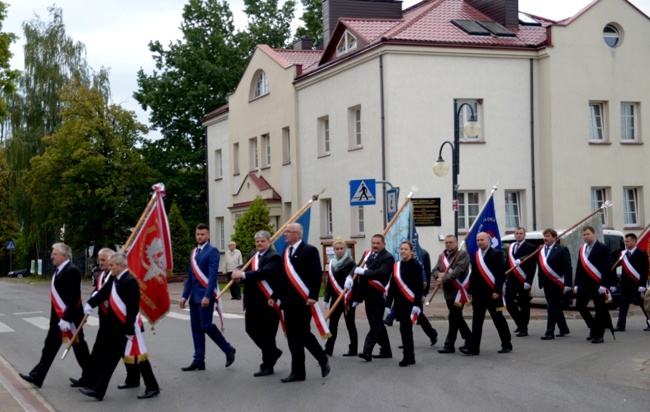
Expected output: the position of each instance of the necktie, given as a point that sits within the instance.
(516, 247)
(546, 251)
(588, 250)
(629, 254)
(291, 251)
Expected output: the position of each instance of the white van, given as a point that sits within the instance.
(614, 239)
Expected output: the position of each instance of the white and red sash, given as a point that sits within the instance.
(347, 298)
(59, 308)
(462, 297)
(302, 289)
(373, 282)
(268, 292)
(629, 269)
(408, 293)
(589, 267)
(518, 271)
(99, 283)
(203, 280)
(548, 270)
(487, 274)
(135, 350)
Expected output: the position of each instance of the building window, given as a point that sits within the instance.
(629, 127)
(354, 127)
(464, 115)
(221, 233)
(235, 159)
(218, 164)
(324, 136)
(597, 122)
(631, 207)
(599, 196)
(358, 220)
(266, 150)
(513, 210)
(261, 85)
(327, 226)
(468, 207)
(348, 42)
(286, 146)
(612, 35)
(253, 155)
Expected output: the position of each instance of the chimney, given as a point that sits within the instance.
(303, 44)
(368, 9)
(505, 12)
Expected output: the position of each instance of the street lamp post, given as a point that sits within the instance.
(441, 168)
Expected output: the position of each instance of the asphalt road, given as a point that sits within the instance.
(566, 373)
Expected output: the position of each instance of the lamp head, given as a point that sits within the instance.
(440, 168)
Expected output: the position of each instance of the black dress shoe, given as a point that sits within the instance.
(562, 334)
(388, 322)
(434, 340)
(597, 340)
(350, 353)
(149, 394)
(517, 330)
(647, 329)
(194, 367)
(91, 392)
(382, 356)
(617, 329)
(291, 378)
(446, 349)
(32, 380)
(77, 383)
(128, 385)
(365, 357)
(325, 369)
(507, 349)
(547, 337)
(406, 362)
(521, 334)
(231, 357)
(263, 372)
(589, 337)
(467, 351)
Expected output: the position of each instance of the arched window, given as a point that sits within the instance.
(261, 85)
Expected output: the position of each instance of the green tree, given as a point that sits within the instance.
(8, 223)
(312, 17)
(91, 178)
(181, 240)
(193, 76)
(8, 77)
(256, 218)
(269, 24)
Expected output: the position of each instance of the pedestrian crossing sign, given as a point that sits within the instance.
(363, 192)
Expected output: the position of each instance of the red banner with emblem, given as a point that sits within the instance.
(643, 243)
(150, 259)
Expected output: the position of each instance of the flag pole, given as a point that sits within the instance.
(600, 209)
(124, 248)
(275, 236)
(386, 229)
(462, 244)
(620, 258)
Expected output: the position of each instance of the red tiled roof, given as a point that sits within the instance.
(216, 112)
(261, 184)
(304, 58)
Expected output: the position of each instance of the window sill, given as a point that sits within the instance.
(266, 167)
(324, 155)
(216, 179)
(352, 149)
(472, 142)
(327, 237)
(259, 97)
(236, 174)
(358, 236)
(286, 163)
(632, 143)
(633, 227)
(253, 170)
(594, 143)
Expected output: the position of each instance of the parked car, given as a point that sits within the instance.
(614, 239)
(18, 273)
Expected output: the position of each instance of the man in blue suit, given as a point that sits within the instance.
(199, 290)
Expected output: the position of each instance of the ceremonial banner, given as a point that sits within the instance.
(485, 222)
(280, 244)
(399, 232)
(150, 259)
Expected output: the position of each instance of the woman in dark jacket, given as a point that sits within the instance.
(339, 269)
(405, 295)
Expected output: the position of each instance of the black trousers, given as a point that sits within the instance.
(624, 305)
(429, 330)
(553, 296)
(406, 332)
(297, 319)
(51, 348)
(456, 323)
(518, 304)
(262, 326)
(89, 373)
(601, 320)
(480, 307)
(115, 345)
(377, 333)
(235, 289)
(349, 324)
(142, 367)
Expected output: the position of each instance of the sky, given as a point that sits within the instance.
(116, 33)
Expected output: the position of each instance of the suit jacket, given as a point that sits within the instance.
(68, 285)
(525, 249)
(478, 287)
(411, 273)
(426, 266)
(306, 262)
(340, 273)
(379, 268)
(639, 261)
(599, 257)
(208, 262)
(559, 259)
(459, 270)
(271, 269)
(129, 291)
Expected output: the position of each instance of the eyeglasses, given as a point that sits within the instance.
(291, 231)
(449, 243)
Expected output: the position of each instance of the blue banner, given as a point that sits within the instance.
(304, 220)
(485, 222)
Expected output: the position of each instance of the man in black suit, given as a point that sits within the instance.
(486, 289)
(593, 278)
(554, 263)
(123, 292)
(373, 280)
(633, 280)
(298, 295)
(519, 281)
(65, 316)
(259, 281)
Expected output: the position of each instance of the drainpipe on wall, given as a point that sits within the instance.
(383, 128)
(532, 145)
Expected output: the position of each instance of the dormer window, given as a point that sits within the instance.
(261, 85)
(348, 42)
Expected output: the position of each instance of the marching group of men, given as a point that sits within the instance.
(284, 289)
